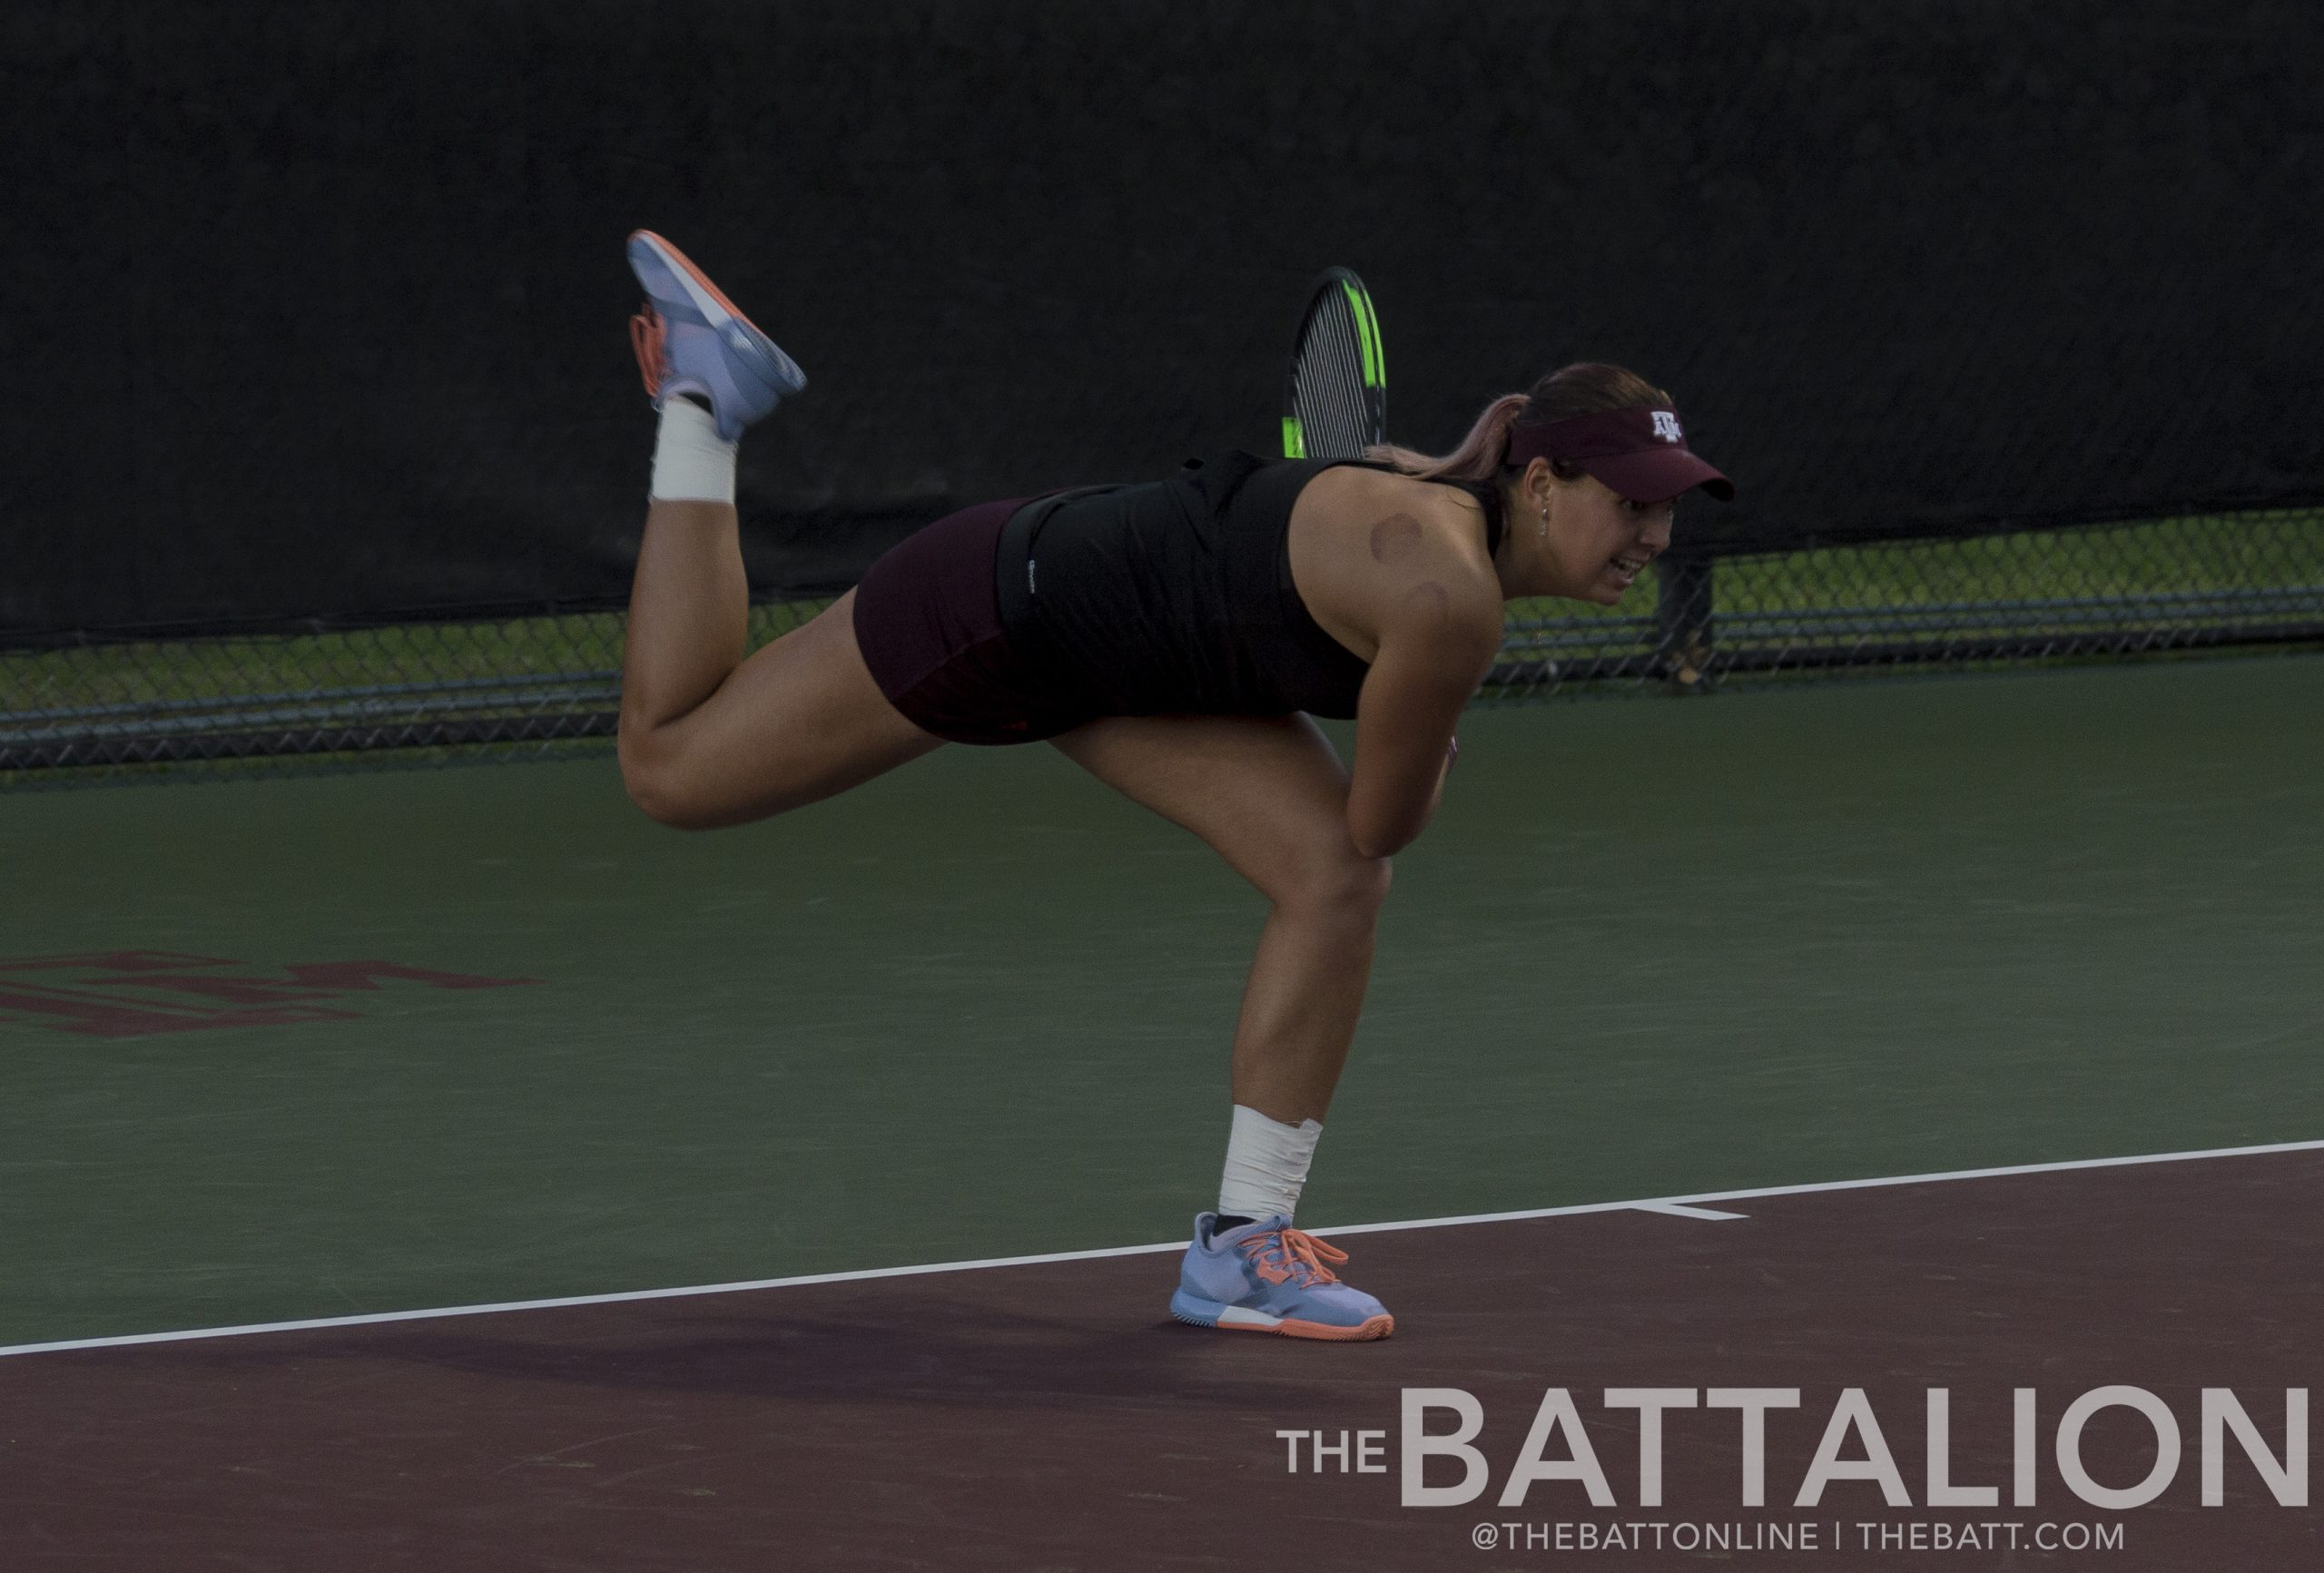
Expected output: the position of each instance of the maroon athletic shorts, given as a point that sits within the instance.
(928, 620)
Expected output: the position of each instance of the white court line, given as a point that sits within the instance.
(1680, 1210)
(1651, 1204)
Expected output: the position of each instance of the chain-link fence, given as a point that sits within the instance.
(2244, 580)
(536, 687)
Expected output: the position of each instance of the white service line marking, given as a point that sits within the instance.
(1680, 1210)
(1650, 1203)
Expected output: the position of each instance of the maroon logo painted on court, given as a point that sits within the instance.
(138, 993)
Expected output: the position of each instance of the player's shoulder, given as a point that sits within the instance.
(1381, 548)
(1401, 516)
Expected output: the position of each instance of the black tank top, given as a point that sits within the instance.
(1175, 596)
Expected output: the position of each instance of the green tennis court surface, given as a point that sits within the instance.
(979, 1007)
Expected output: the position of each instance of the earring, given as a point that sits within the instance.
(1542, 530)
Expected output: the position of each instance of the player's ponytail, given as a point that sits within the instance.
(1479, 456)
(1585, 387)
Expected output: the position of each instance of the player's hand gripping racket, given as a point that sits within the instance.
(1335, 404)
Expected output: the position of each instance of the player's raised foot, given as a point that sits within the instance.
(1266, 1276)
(691, 339)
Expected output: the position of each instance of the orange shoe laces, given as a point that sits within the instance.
(1303, 1253)
(645, 335)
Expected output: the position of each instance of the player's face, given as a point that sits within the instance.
(1602, 541)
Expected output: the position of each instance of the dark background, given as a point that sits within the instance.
(319, 311)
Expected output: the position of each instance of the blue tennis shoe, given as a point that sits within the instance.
(691, 339)
(1266, 1276)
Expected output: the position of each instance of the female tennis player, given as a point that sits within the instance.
(1172, 639)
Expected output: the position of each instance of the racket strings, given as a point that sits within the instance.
(1329, 382)
(1347, 385)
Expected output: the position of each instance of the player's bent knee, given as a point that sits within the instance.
(1346, 886)
(648, 793)
(647, 774)
(1368, 880)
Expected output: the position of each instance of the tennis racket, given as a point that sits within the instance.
(1335, 404)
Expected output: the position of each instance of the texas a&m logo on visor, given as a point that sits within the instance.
(1666, 426)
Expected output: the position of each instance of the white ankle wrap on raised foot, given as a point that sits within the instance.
(692, 463)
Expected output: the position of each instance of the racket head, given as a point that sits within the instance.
(1335, 400)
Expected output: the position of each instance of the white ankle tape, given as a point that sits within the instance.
(692, 463)
(1267, 1165)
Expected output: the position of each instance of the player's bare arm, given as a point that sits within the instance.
(1397, 570)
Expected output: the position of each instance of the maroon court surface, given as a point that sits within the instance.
(1050, 1417)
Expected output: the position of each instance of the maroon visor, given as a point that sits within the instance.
(1641, 454)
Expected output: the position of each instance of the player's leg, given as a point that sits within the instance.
(1270, 796)
(708, 738)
